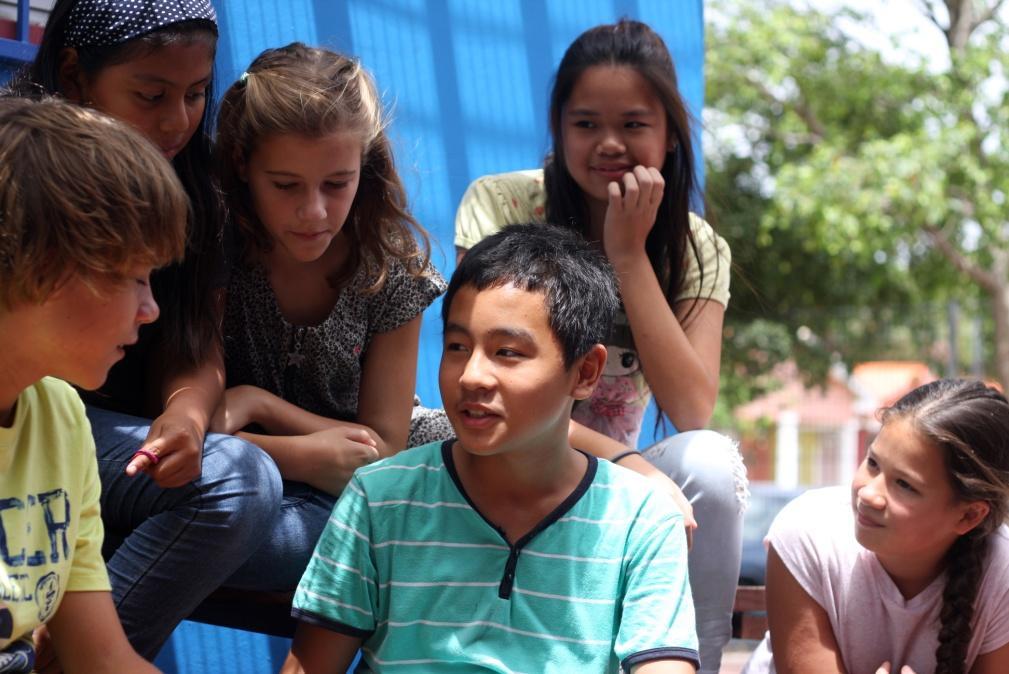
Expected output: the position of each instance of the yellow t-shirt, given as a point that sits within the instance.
(50, 522)
(618, 403)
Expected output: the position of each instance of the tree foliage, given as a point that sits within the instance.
(858, 192)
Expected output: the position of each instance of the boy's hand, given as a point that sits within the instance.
(630, 214)
(639, 464)
(172, 454)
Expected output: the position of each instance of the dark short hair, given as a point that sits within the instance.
(575, 277)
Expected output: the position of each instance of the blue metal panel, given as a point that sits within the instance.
(24, 15)
(13, 50)
(19, 49)
(468, 83)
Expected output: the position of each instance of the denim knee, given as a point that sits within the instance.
(705, 465)
(243, 484)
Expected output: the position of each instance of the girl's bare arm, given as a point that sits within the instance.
(800, 630)
(681, 365)
(388, 382)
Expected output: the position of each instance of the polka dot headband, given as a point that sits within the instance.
(100, 23)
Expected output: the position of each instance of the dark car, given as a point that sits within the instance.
(766, 501)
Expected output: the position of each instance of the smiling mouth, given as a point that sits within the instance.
(612, 170)
(866, 521)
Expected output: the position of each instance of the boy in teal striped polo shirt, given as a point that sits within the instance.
(505, 550)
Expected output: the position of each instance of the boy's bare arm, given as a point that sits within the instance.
(88, 637)
(316, 650)
(664, 667)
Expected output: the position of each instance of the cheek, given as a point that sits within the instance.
(266, 201)
(346, 202)
(574, 152)
(858, 481)
(448, 380)
(195, 115)
(444, 376)
(143, 121)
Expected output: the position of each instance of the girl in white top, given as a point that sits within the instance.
(923, 584)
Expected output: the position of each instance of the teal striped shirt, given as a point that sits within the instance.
(410, 566)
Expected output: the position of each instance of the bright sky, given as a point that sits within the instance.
(903, 20)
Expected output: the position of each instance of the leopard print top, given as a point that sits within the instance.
(316, 367)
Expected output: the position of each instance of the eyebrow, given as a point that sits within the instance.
(156, 79)
(506, 332)
(633, 112)
(291, 174)
(899, 472)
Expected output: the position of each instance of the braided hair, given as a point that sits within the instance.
(969, 423)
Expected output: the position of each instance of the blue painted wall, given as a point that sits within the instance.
(467, 81)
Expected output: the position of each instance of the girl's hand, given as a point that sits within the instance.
(631, 212)
(639, 464)
(177, 442)
(237, 409)
(332, 456)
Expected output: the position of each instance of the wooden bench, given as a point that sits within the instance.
(751, 606)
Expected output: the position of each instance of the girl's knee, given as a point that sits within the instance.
(707, 464)
(245, 471)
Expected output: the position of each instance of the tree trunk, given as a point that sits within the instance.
(961, 23)
(1000, 310)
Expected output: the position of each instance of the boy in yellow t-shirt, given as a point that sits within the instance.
(87, 208)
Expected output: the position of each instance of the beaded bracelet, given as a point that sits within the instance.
(617, 458)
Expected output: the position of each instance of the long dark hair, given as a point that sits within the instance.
(969, 423)
(188, 327)
(631, 44)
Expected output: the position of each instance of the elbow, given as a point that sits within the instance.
(692, 413)
(692, 422)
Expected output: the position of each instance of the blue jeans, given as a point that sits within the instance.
(708, 468)
(167, 549)
(277, 564)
